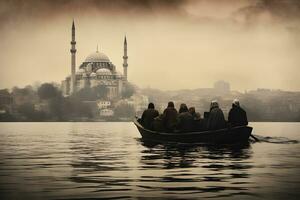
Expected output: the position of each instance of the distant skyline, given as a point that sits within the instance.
(172, 45)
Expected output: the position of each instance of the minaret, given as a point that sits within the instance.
(73, 60)
(125, 57)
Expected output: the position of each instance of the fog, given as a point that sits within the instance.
(171, 44)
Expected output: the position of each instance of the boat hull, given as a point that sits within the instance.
(239, 134)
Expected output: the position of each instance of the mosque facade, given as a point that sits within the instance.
(95, 70)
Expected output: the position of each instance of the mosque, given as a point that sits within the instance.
(96, 70)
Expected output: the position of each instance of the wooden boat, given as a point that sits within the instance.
(238, 134)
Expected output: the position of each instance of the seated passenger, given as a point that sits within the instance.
(237, 116)
(181, 108)
(185, 120)
(148, 116)
(216, 119)
(192, 111)
(197, 121)
(170, 117)
(204, 121)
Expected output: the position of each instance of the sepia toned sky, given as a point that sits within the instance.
(179, 44)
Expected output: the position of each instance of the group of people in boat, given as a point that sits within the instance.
(188, 120)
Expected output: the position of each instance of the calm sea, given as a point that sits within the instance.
(110, 161)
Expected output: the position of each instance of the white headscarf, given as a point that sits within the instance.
(214, 104)
(236, 102)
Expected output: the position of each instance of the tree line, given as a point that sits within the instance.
(47, 103)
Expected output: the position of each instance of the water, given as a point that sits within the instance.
(109, 160)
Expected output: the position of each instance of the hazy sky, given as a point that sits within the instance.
(171, 44)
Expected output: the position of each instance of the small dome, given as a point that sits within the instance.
(97, 57)
(80, 71)
(93, 74)
(104, 71)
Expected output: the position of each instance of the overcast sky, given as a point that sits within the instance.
(171, 44)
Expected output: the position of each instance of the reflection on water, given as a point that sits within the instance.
(163, 169)
(109, 160)
(206, 170)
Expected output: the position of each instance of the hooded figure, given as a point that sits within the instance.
(192, 110)
(185, 120)
(182, 108)
(148, 116)
(216, 119)
(237, 116)
(170, 117)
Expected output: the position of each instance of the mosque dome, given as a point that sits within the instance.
(97, 57)
(80, 71)
(93, 74)
(104, 71)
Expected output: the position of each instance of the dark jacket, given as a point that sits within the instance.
(237, 116)
(204, 122)
(196, 125)
(148, 118)
(158, 124)
(185, 122)
(216, 119)
(170, 119)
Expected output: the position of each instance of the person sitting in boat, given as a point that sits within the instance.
(204, 121)
(148, 116)
(181, 108)
(184, 120)
(192, 111)
(197, 121)
(237, 116)
(216, 119)
(170, 117)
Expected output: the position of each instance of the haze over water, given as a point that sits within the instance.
(193, 43)
(249, 43)
(109, 160)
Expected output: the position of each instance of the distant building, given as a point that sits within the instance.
(139, 102)
(103, 104)
(104, 108)
(106, 112)
(222, 87)
(96, 70)
(42, 106)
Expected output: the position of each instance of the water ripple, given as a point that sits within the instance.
(110, 161)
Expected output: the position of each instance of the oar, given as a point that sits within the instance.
(255, 138)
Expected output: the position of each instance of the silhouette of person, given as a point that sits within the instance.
(148, 116)
(185, 119)
(170, 117)
(237, 116)
(216, 119)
